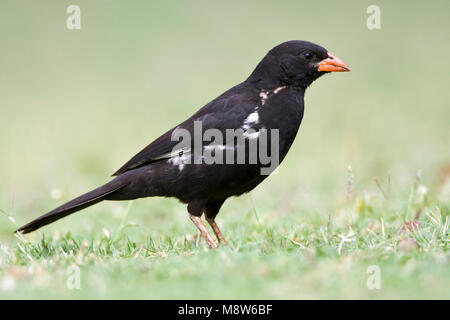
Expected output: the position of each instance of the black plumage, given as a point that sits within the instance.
(271, 98)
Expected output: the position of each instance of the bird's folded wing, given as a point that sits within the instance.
(222, 113)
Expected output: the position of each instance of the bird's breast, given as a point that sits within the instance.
(282, 110)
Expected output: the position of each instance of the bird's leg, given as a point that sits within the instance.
(211, 211)
(216, 230)
(195, 209)
(202, 228)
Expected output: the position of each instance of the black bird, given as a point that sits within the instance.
(270, 101)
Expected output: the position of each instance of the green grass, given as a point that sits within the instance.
(75, 105)
(289, 258)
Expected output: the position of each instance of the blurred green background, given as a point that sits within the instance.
(76, 104)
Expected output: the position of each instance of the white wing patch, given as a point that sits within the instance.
(253, 118)
(251, 134)
(264, 94)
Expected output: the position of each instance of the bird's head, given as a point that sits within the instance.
(296, 63)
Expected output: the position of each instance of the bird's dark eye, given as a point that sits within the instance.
(308, 55)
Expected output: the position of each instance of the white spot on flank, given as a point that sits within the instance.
(180, 160)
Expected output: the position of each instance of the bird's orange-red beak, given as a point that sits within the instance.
(333, 64)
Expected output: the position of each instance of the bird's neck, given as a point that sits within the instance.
(269, 75)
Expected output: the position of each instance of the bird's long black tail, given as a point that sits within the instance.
(83, 201)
